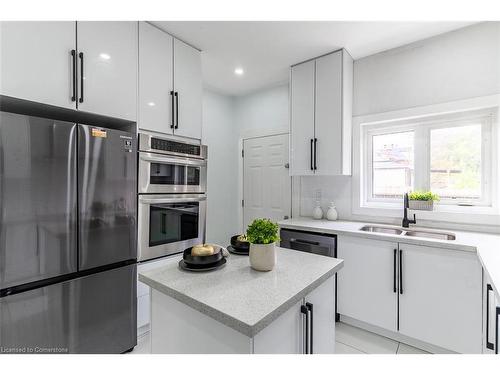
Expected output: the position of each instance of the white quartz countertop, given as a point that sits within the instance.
(240, 297)
(487, 246)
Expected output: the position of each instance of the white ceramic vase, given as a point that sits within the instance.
(262, 257)
(332, 213)
(317, 212)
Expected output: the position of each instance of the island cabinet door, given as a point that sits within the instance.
(306, 328)
(440, 297)
(320, 305)
(284, 335)
(367, 284)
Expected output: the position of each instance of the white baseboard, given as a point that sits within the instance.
(395, 336)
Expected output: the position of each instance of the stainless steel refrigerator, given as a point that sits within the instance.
(67, 237)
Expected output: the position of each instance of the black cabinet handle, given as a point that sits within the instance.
(311, 333)
(176, 110)
(400, 271)
(497, 329)
(394, 287)
(312, 143)
(304, 310)
(489, 344)
(81, 77)
(173, 112)
(308, 242)
(315, 147)
(73, 57)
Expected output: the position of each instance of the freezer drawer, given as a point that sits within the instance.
(37, 199)
(92, 314)
(107, 186)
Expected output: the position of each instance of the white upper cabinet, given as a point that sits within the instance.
(36, 62)
(156, 99)
(302, 119)
(170, 84)
(188, 90)
(321, 111)
(107, 76)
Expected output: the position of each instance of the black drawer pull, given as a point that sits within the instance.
(489, 344)
(400, 271)
(81, 77)
(73, 57)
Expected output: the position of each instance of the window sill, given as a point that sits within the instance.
(441, 213)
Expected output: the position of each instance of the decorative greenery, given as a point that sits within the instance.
(423, 196)
(262, 231)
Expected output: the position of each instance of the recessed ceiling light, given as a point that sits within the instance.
(239, 71)
(104, 56)
(151, 104)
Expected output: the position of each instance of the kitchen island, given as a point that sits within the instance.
(236, 309)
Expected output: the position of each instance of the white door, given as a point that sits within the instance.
(328, 117)
(156, 100)
(322, 303)
(302, 119)
(188, 88)
(367, 288)
(36, 62)
(266, 183)
(108, 53)
(441, 299)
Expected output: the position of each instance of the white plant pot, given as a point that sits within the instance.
(262, 257)
(421, 205)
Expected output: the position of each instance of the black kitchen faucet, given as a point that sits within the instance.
(406, 222)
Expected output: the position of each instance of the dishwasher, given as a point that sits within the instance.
(311, 242)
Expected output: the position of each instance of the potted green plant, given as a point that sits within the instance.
(422, 200)
(262, 235)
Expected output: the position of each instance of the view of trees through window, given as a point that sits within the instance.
(456, 162)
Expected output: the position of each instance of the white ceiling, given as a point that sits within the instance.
(265, 50)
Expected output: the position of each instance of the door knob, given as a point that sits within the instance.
(287, 165)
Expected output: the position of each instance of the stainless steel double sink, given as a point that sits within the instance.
(409, 232)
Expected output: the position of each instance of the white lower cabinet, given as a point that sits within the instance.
(440, 297)
(143, 294)
(425, 293)
(366, 284)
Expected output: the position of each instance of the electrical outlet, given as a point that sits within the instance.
(317, 194)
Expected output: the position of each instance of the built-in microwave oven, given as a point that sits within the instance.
(169, 166)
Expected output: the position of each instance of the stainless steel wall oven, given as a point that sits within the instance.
(172, 195)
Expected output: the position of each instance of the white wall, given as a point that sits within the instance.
(262, 112)
(220, 133)
(457, 65)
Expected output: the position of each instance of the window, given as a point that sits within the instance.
(450, 155)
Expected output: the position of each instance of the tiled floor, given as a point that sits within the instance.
(349, 340)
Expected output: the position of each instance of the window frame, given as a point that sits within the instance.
(422, 154)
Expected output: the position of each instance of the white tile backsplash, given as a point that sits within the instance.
(335, 189)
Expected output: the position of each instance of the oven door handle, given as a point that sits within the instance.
(166, 160)
(148, 200)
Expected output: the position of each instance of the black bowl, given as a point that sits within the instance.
(240, 245)
(202, 260)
